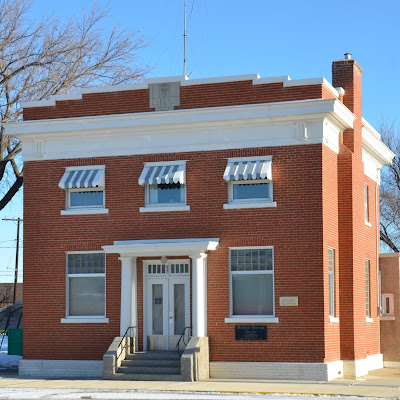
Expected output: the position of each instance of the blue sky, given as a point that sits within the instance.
(271, 38)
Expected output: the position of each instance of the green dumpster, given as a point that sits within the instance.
(15, 342)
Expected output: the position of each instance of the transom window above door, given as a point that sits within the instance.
(173, 268)
(165, 188)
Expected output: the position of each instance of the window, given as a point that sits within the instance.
(387, 305)
(366, 204)
(331, 261)
(249, 182)
(165, 188)
(252, 282)
(367, 289)
(84, 190)
(85, 285)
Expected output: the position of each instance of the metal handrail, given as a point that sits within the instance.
(182, 338)
(123, 337)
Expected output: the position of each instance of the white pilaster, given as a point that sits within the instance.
(198, 294)
(128, 294)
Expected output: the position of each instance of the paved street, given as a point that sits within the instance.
(383, 383)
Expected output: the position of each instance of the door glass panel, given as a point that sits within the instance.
(157, 300)
(179, 308)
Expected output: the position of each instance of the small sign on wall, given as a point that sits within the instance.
(292, 301)
(250, 332)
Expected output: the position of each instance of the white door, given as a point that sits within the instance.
(167, 305)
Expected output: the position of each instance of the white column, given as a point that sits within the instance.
(128, 294)
(198, 295)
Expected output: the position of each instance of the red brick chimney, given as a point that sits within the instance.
(348, 75)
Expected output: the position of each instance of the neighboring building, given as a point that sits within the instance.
(211, 203)
(389, 265)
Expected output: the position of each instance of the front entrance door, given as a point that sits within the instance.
(167, 310)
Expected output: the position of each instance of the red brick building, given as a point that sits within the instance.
(217, 204)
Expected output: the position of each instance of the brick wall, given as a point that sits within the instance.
(294, 228)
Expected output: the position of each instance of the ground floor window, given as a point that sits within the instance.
(252, 281)
(85, 284)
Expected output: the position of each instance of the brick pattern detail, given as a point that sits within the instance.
(196, 96)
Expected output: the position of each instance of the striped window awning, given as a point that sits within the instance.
(159, 174)
(248, 170)
(82, 178)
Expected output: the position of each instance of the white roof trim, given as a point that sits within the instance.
(184, 81)
(371, 140)
(162, 247)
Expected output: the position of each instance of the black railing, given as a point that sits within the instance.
(130, 344)
(182, 339)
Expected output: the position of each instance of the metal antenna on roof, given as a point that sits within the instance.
(184, 40)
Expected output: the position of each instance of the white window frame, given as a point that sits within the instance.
(368, 290)
(84, 318)
(387, 297)
(251, 318)
(366, 205)
(77, 210)
(163, 207)
(332, 296)
(250, 202)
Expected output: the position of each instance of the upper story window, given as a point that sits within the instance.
(387, 305)
(84, 190)
(249, 182)
(165, 188)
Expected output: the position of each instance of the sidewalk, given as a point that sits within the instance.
(384, 383)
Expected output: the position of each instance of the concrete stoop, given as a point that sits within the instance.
(150, 366)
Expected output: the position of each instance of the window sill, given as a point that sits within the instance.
(251, 320)
(368, 224)
(230, 206)
(85, 211)
(387, 318)
(369, 319)
(84, 320)
(164, 209)
(334, 319)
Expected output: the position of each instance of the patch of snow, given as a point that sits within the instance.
(7, 361)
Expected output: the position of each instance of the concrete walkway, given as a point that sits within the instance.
(384, 383)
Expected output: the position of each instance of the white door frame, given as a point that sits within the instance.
(168, 278)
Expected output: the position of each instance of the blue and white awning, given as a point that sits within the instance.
(248, 170)
(159, 174)
(82, 178)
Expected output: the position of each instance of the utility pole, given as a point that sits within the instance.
(16, 255)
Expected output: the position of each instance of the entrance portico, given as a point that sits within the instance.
(166, 290)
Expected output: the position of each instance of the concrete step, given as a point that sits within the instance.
(144, 362)
(154, 355)
(150, 370)
(147, 377)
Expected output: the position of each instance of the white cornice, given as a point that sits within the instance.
(205, 129)
(43, 129)
(162, 247)
(373, 144)
(184, 81)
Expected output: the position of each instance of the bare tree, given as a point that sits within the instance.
(390, 189)
(47, 57)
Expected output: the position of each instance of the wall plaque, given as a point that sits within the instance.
(292, 301)
(250, 332)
